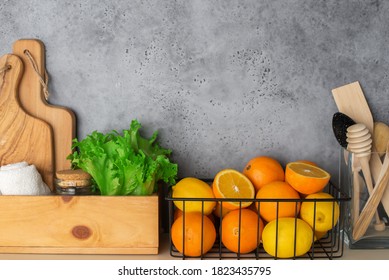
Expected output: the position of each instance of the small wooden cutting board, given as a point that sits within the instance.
(61, 119)
(22, 137)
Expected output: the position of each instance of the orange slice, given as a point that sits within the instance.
(306, 178)
(230, 183)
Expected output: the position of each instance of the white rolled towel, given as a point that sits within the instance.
(22, 179)
(12, 166)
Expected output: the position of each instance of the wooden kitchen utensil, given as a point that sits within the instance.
(351, 101)
(340, 123)
(355, 168)
(372, 203)
(22, 137)
(32, 99)
(381, 137)
(361, 145)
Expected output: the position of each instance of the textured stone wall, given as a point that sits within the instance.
(222, 81)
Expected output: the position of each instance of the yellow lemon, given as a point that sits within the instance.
(320, 215)
(195, 189)
(294, 237)
(320, 234)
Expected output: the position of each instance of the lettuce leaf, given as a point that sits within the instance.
(124, 164)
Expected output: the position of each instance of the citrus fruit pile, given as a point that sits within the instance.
(262, 205)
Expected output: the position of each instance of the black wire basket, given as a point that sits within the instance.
(330, 246)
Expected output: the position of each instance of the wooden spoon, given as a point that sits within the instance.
(381, 137)
(361, 147)
(340, 123)
(372, 203)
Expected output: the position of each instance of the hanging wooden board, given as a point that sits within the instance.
(32, 99)
(22, 137)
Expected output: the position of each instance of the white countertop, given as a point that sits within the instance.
(348, 254)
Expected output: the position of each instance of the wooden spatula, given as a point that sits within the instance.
(32, 99)
(351, 101)
(22, 137)
(372, 203)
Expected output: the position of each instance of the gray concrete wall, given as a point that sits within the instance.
(222, 81)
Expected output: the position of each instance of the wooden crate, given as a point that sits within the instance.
(79, 224)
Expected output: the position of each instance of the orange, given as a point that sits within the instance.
(199, 229)
(177, 213)
(306, 178)
(244, 238)
(307, 162)
(220, 210)
(230, 183)
(271, 210)
(263, 170)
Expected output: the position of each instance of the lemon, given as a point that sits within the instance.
(294, 237)
(196, 189)
(327, 212)
(320, 234)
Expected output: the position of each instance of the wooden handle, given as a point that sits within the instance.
(356, 167)
(379, 225)
(14, 73)
(372, 203)
(370, 208)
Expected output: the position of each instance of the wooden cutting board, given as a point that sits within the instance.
(32, 99)
(22, 137)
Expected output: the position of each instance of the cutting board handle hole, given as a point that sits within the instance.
(5, 68)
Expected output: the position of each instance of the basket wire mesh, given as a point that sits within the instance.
(330, 246)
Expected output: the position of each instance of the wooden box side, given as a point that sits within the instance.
(77, 224)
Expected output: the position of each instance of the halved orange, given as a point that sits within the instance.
(230, 183)
(307, 162)
(306, 178)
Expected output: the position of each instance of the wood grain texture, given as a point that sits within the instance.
(371, 205)
(106, 224)
(352, 102)
(61, 119)
(22, 137)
